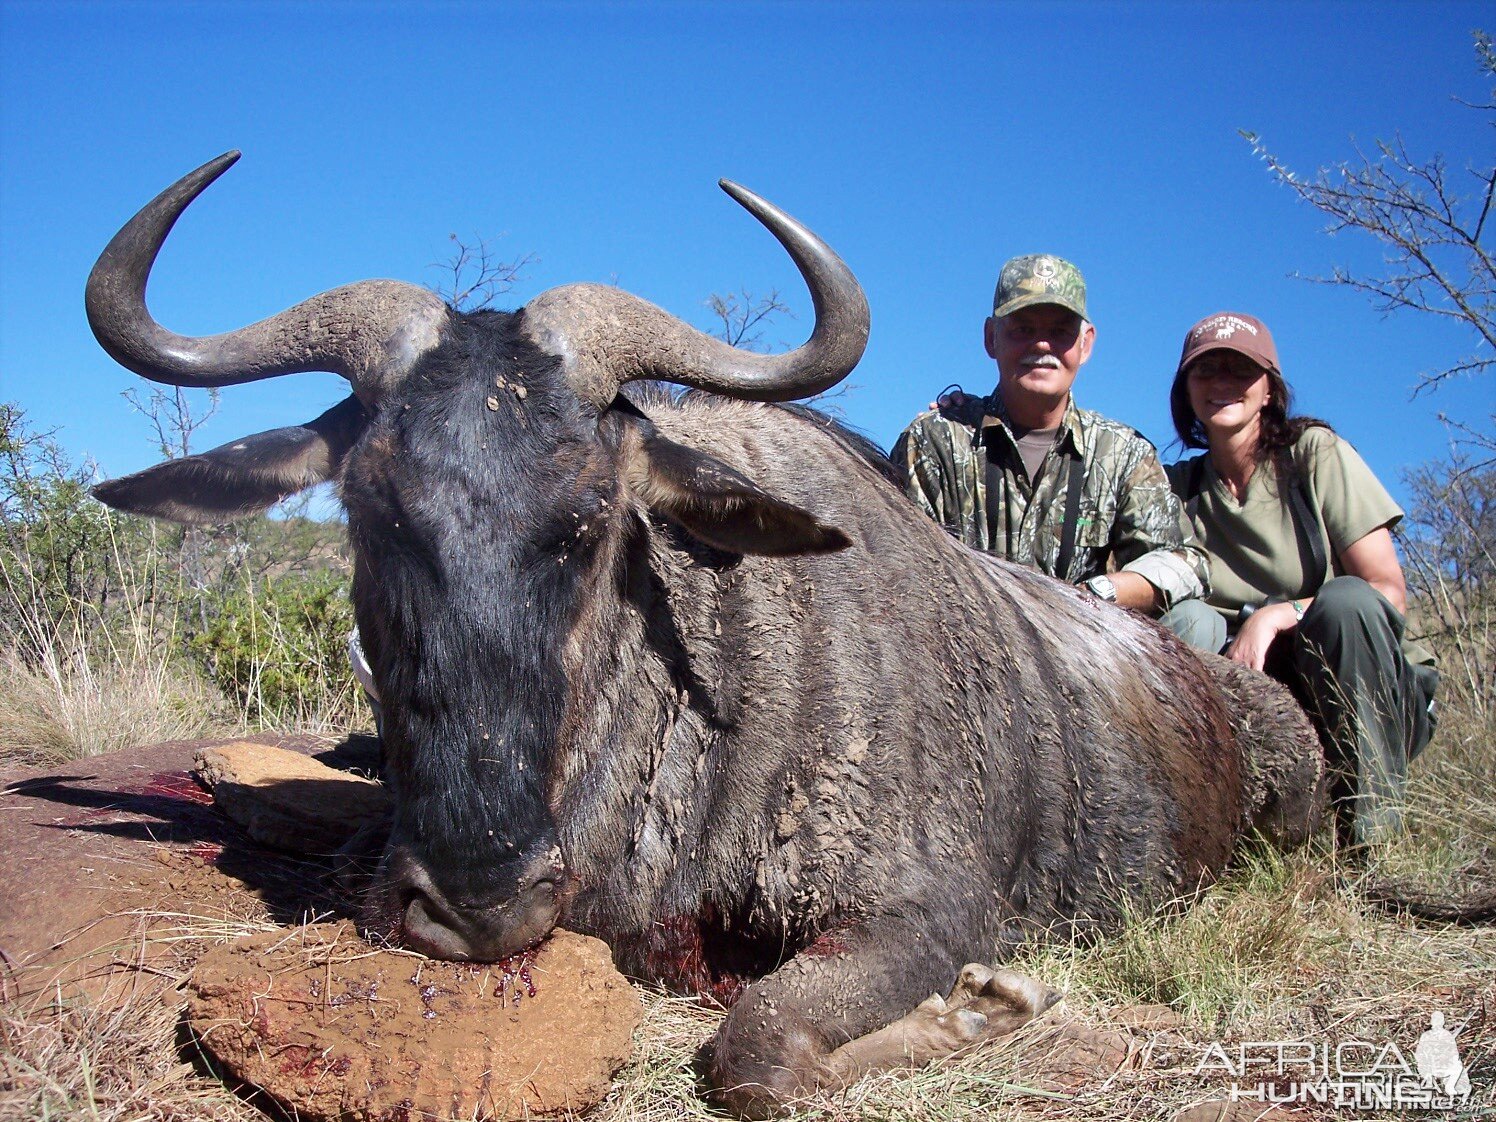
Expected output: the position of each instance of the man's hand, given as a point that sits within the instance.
(953, 398)
(1256, 636)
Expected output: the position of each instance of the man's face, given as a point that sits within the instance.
(1039, 349)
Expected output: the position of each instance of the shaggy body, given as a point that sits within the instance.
(800, 742)
(851, 772)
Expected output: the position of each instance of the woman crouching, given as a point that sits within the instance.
(1306, 582)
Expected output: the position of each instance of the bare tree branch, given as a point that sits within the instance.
(1433, 225)
(172, 418)
(745, 318)
(473, 277)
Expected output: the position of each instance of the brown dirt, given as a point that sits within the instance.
(111, 854)
(126, 873)
(1235, 1112)
(331, 1027)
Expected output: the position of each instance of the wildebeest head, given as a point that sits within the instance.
(492, 472)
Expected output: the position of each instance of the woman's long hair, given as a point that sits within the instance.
(1278, 429)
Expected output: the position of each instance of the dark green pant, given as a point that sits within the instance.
(1345, 663)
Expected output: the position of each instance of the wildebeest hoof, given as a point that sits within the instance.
(940, 1028)
(1006, 998)
(983, 1004)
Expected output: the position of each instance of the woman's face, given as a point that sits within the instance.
(1227, 392)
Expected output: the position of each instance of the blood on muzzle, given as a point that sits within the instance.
(435, 922)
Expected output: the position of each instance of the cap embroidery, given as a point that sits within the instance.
(1224, 327)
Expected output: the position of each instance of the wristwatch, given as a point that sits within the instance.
(1102, 588)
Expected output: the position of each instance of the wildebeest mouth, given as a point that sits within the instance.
(408, 907)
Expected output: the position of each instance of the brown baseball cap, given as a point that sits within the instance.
(1231, 331)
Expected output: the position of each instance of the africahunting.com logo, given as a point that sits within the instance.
(1353, 1074)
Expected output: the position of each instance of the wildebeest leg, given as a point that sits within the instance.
(823, 1020)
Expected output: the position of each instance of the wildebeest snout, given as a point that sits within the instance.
(474, 925)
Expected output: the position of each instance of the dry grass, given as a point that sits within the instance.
(72, 686)
(1284, 948)
(69, 706)
(106, 1064)
(88, 688)
(1451, 808)
(121, 1056)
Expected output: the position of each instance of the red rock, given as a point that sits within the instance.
(287, 800)
(332, 1028)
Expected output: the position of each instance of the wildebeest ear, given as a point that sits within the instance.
(721, 507)
(244, 477)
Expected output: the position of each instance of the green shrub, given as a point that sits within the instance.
(279, 646)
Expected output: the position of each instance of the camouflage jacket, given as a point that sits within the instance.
(1128, 515)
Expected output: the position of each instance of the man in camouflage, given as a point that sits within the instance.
(1001, 472)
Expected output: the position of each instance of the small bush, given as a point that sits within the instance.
(279, 647)
(1449, 545)
(115, 630)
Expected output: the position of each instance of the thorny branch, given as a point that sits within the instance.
(745, 318)
(172, 418)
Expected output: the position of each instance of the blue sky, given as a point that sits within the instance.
(926, 142)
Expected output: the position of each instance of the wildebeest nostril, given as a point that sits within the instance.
(428, 927)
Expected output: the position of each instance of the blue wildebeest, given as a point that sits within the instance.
(687, 672)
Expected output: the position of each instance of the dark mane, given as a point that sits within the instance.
(858, 443)
(647, 395)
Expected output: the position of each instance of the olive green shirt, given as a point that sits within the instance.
(1255, 545)
(1128, 515)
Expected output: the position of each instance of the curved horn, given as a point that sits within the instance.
(371, 333)
(606, 337)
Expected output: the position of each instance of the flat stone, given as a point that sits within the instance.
(1061, 1055)
(1081, 1056)
(287, 800)
(332, 1028)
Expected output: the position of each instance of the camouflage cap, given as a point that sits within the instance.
(1039, 278)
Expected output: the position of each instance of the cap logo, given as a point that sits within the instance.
(1047, 272)
(1224, 327)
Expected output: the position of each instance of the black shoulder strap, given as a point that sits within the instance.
(1197, 478)
(1072, 517)
(1075, 482)
(994, 488)
(1311, 541)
